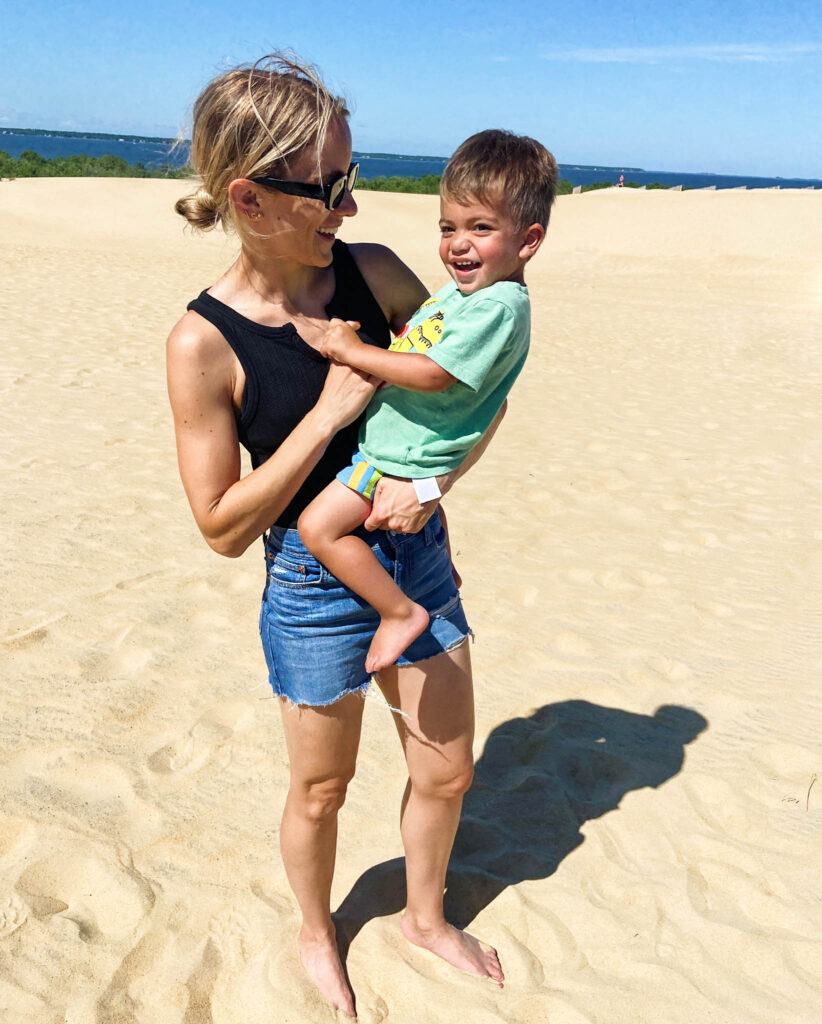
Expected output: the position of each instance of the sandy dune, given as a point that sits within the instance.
(644, 837)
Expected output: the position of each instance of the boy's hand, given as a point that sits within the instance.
(340, 341)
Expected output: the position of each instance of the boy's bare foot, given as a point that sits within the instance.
(321, 961)
(457, 948)
(393, 635)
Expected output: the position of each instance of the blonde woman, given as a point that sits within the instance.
(273, 149)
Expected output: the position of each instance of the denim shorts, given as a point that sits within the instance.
(316, 632)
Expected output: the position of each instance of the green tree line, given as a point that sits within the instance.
(31, 165)
(429, 184)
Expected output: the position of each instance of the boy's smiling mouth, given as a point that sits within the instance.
(465, 266)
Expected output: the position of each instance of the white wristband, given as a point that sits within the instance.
(427, 489)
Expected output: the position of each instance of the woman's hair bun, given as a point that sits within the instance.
(199, 209)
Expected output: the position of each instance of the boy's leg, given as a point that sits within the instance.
(335, 512)
(325, 529)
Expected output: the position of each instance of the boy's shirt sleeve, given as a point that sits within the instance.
(473, 340)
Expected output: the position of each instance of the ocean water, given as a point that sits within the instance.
(372, 165)
(133, 150)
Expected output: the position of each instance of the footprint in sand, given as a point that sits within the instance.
(243, 992)
(13, 914)
(670, 668)
(95, 790)
(716, 609)
(104, 901)
(720, 890)
(17, 836)
(628, 579)
(21, 636)
(209, 736)
(569, 643)
(166, 977)
(136, 581)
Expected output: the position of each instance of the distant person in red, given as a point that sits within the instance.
(621, 182)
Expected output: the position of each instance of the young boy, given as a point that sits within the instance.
(451, 367)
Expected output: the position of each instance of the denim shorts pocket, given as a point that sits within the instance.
(447, 609)
(441, 538)
(287, 572)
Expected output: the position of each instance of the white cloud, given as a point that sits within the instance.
(755, 53)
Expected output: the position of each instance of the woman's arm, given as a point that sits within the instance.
(395, 286)
(395, 505)
(231, 511)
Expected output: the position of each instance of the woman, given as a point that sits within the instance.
(273, 148)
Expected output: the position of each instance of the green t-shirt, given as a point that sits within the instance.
(482, 340)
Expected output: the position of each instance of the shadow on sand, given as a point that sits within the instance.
(537, 781)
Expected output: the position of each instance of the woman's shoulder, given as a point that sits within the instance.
(376, 260)
(196, 344)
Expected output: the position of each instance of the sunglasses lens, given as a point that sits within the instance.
(337, 193)
(339, 187)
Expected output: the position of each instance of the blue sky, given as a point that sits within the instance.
(730, 86)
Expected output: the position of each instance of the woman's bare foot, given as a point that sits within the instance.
(321, 960)
(393, 635)
(457, 948)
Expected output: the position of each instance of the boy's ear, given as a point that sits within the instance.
(532, 239)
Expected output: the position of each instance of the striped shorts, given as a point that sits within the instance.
(360, 476)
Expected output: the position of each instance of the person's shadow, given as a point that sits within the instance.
(537, 781)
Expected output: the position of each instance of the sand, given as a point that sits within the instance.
(641, 555)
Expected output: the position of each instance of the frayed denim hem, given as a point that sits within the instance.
(362, 690)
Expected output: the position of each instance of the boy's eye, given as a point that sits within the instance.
(445, 229)
(483, 227)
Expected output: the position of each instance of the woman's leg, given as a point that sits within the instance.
(322, 747)
(437, 736)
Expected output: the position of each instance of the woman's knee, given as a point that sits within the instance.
(446, 784)
(321, 799)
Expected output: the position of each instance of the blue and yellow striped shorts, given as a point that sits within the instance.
(360, 476)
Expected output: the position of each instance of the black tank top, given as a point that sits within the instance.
(284, 375)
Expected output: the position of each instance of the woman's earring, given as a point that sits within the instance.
(255, 216)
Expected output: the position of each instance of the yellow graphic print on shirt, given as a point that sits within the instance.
(421, 337)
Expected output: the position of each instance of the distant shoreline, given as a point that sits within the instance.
(158, 154)
(59, 134)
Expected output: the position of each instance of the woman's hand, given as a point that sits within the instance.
(344, 396)
(396, 507)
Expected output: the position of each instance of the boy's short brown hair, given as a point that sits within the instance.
(498, 166)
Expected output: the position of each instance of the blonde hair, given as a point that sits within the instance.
(513, 171)
(247, 123)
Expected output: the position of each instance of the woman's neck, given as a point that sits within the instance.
(279, 280)
(272, 289)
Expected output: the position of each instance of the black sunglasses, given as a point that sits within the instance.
(332, 195)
